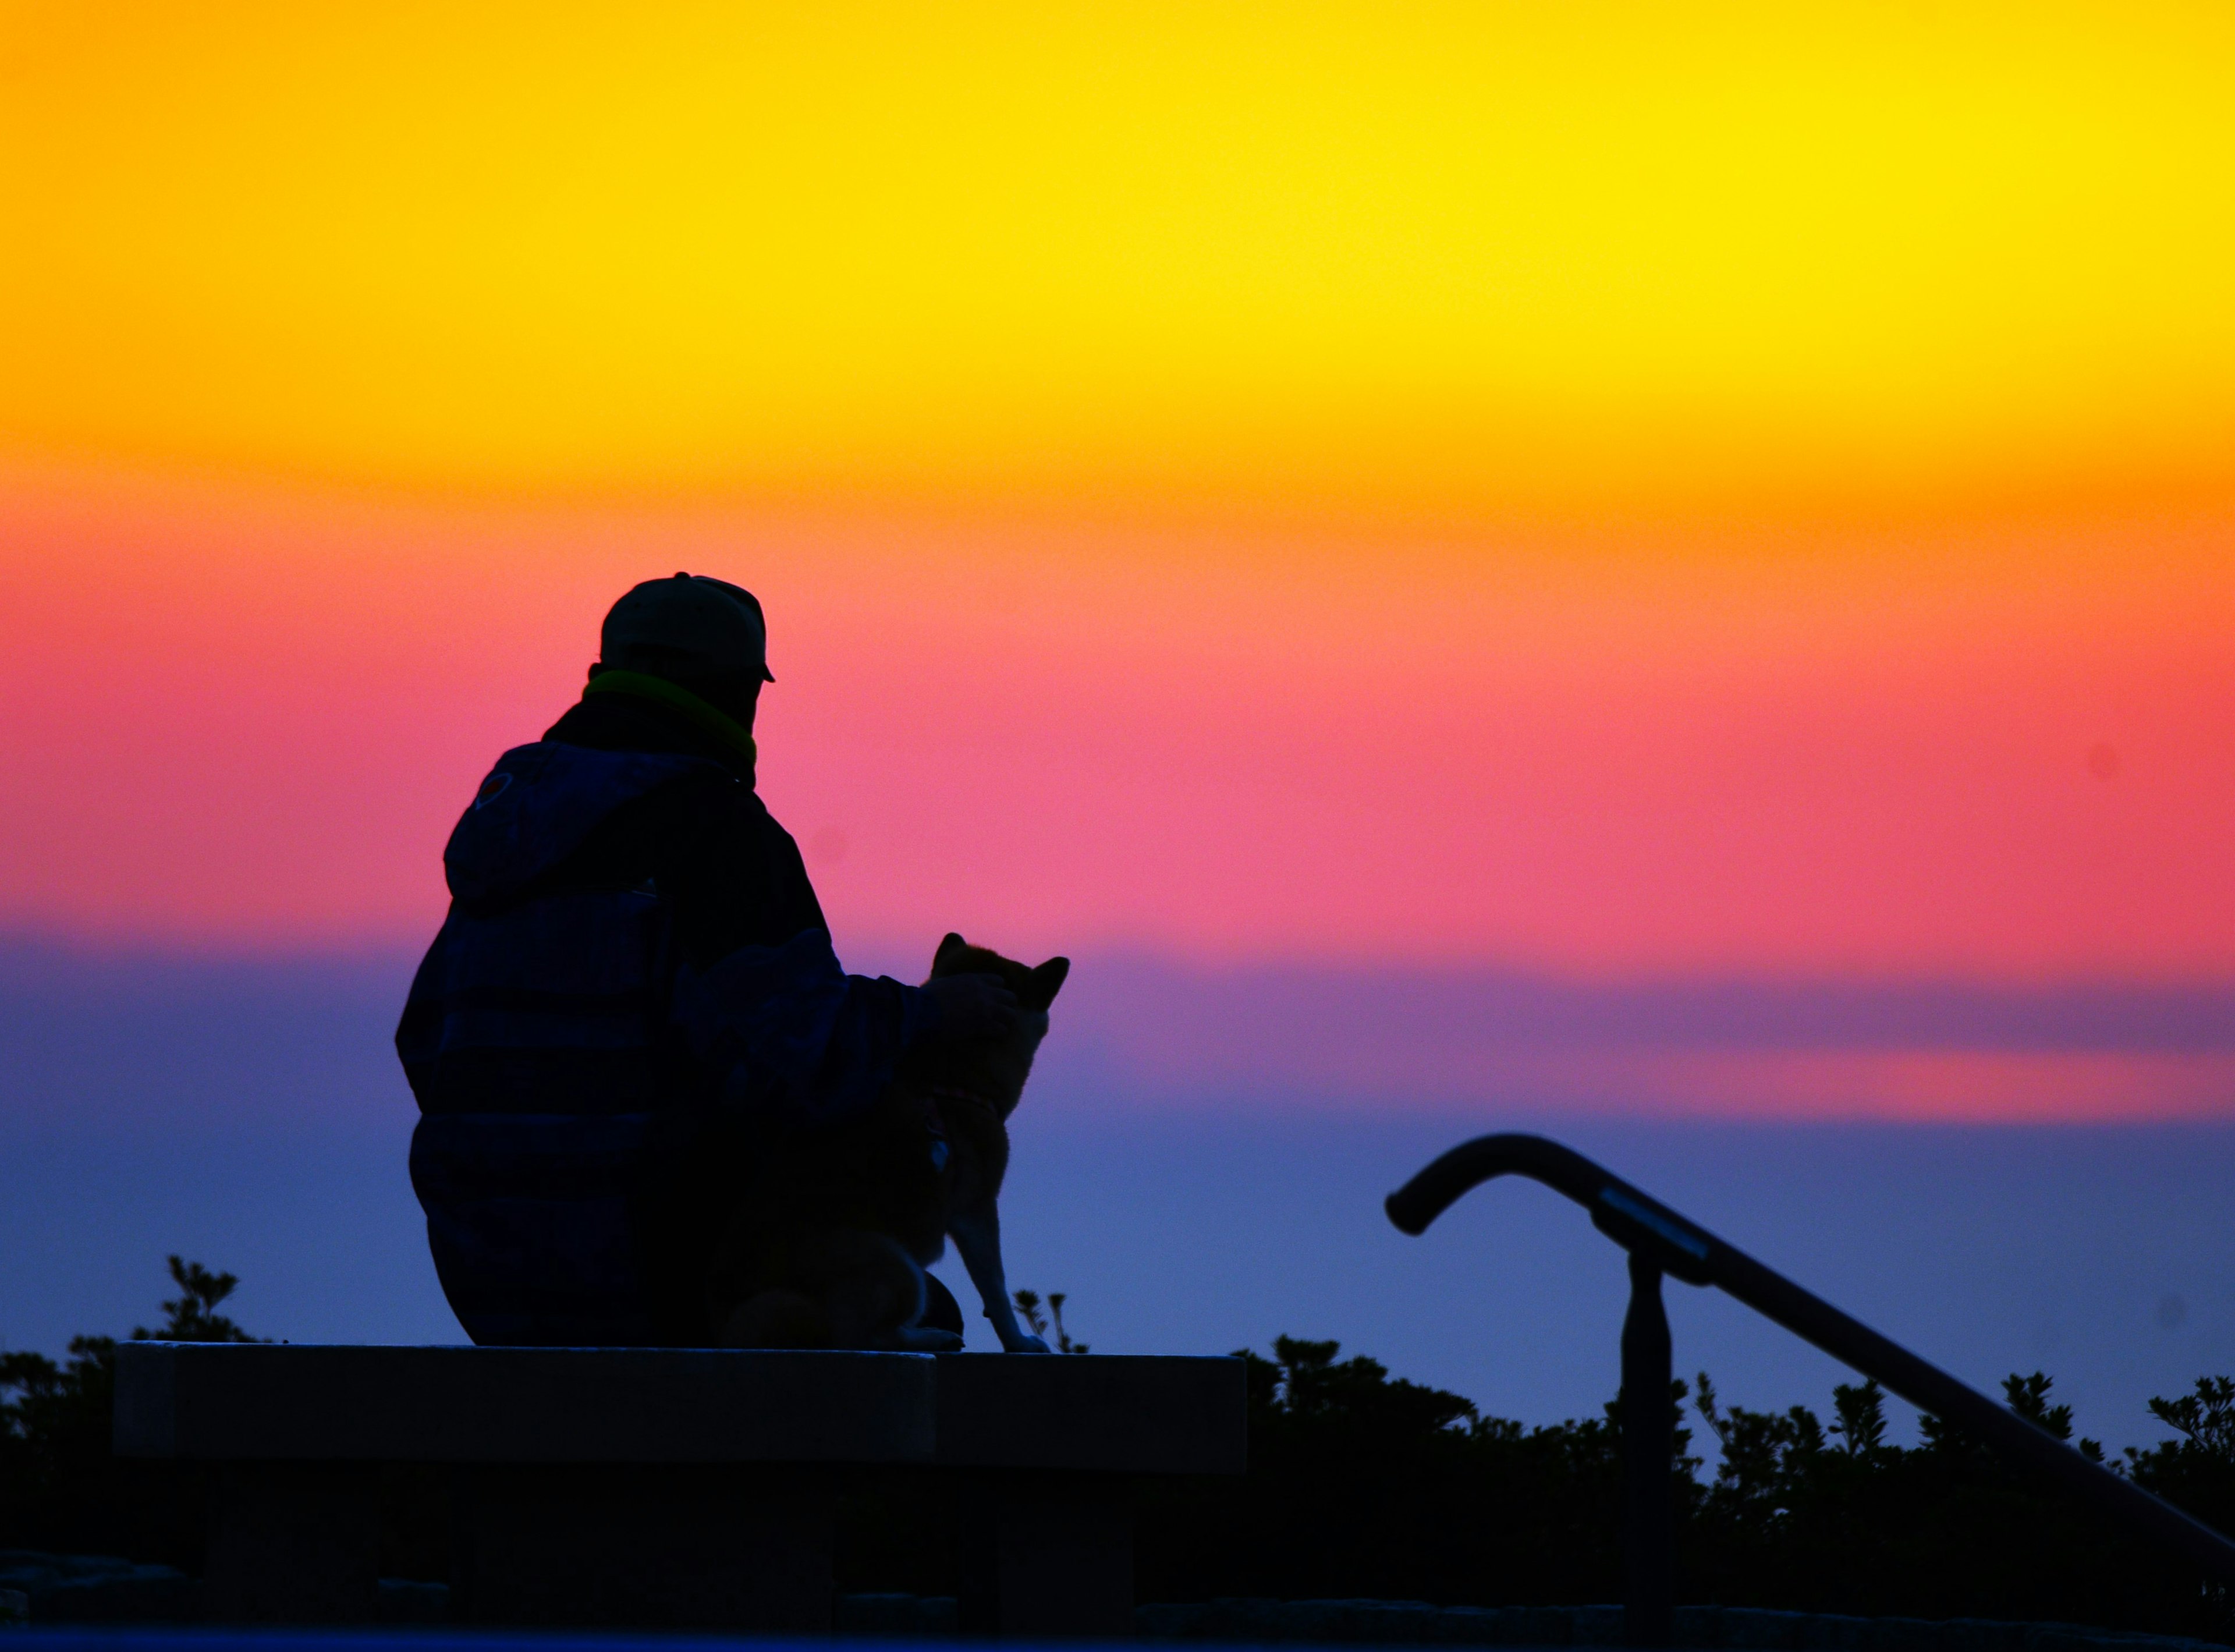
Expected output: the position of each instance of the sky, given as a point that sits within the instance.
(1589, 561)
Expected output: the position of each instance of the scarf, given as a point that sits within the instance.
(718, 725)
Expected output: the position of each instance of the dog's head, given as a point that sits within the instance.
(998, 1067)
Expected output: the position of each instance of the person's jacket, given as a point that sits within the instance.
(634, 979)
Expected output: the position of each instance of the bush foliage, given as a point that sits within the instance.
(1361, 1483)
(60, 1488)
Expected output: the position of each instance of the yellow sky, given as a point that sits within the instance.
(1444, 261)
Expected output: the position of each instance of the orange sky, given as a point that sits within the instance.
(1436, 260)
(1710, 488)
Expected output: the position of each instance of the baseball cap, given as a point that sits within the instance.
(692, 626)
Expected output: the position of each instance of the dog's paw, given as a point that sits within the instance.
(926, 1338)
(1026, 1343)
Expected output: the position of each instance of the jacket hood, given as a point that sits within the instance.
(539, 803)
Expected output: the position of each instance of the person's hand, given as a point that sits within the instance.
(972, 1007)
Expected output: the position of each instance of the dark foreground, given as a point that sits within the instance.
(888, 1618)
(1362, 1486)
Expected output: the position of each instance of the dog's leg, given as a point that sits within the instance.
(928, 1339)
(913, 1338)
(875, 1291)
(978, 1236)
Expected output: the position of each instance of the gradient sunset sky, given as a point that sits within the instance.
(1607, 494)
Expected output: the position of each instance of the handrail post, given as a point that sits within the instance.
(1648, 1450)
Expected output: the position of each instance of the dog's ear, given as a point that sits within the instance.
(1043, 984)
(953, 943)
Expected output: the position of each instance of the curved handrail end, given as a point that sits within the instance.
(1411, 1214)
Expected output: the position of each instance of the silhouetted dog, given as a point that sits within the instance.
(834, 1231)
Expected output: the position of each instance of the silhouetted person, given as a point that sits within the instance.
(635, 985)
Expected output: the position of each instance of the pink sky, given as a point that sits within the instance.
(248, 719)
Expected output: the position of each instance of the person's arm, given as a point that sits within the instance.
(791, 1038)
(762, 999)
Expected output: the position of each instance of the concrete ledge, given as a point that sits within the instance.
(1112, 1413)
(229, 1402)
(232, 1402)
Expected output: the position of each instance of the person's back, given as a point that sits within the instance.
(634, 982)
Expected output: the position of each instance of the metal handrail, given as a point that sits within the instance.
(1660, 1241)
